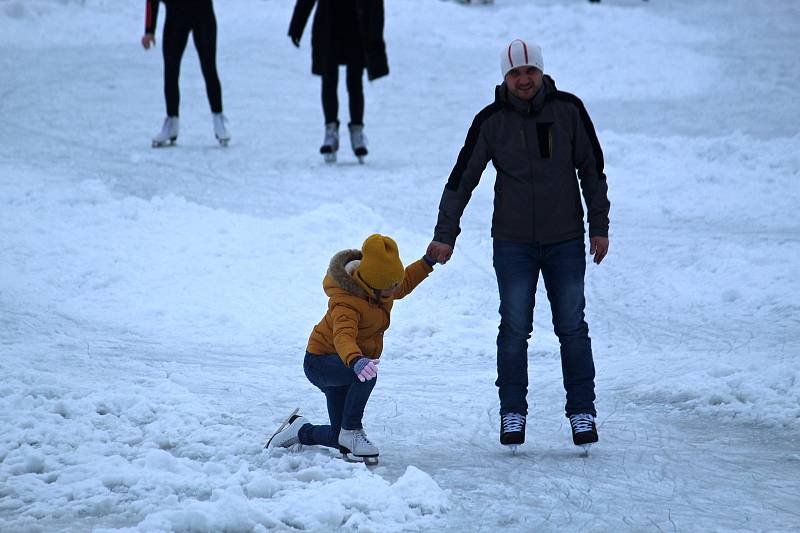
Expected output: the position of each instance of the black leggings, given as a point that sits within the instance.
(200, 21)
(355, 91)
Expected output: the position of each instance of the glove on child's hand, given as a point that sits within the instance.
(365, 368)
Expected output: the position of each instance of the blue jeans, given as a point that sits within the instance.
(563, 265)
(346, 395)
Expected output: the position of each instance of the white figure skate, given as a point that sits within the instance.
(168, 134)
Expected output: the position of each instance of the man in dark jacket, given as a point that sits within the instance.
(350, 33)
(536, 137)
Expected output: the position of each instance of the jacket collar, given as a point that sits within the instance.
(527, 107)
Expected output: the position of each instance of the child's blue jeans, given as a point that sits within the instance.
(346, 395)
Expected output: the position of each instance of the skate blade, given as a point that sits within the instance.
(512, 447)
(330, 158)
(371, 460)
(283, 425)
(162, 144)
(585, 449)
(361, 160)
(223, 142)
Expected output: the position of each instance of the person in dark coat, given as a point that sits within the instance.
(350, 33)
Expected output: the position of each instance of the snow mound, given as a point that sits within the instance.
(156, 458)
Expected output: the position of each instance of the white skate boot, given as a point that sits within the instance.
(358, 141)
(220, 131)
(356, 447)
(286, 435)
(169, 133)
(331, 143)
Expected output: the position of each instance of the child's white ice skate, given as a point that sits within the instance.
(287, 433)
(356, 447)
(168, 134)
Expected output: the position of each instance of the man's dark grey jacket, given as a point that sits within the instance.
(535, 147)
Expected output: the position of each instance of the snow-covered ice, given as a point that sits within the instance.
(155, 304)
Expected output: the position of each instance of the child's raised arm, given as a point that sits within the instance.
(415, 273)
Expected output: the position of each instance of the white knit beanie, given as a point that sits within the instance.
(520, 53)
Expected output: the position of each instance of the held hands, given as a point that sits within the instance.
(295, 40)
(148, 40)
(598, 247)
(439, 252)
(365, 368)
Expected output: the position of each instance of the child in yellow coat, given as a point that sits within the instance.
(345, 346)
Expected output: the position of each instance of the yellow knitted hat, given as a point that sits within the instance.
(380, 266)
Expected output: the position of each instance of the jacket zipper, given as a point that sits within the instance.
(532, 174)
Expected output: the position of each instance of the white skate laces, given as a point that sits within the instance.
(581, 422)
(362, 441)
(356, 442)
(513, 422)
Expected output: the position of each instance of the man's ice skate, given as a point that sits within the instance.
(287, 433)
(358, 141)
(512, 430)
(356, 447)
(168, 134)
(331, 143)
(584, 431)
(220, 130)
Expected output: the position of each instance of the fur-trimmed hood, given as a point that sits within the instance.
(340, 271)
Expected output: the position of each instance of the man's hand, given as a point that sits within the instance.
(598, 247)
(295, 41)
(439, 251)
(148, 40)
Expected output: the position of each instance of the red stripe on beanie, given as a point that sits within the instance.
(525, 48)
(510, 61)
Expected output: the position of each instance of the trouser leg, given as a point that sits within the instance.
(204, 34)
(330, 100)
(517, 269)
(563, 270)
(175, 37)
(355, 92)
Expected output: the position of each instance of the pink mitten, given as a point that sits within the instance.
(365, 368)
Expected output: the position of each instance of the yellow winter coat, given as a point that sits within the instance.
(355, 321)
